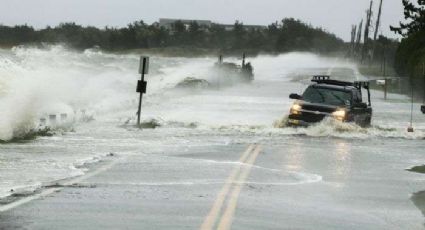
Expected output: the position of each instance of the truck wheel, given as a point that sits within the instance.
(367, 122)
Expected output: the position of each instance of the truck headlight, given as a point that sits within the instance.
(296, 109)
(339, 114)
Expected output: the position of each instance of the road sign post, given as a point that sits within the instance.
(142, 84)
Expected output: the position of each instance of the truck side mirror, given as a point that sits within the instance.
(295, 96)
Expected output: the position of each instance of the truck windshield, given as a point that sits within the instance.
(327, 96)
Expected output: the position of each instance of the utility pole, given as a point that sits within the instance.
(142, 84)
(378, 22)
(359, 36)
(353, 40)
(366, 33)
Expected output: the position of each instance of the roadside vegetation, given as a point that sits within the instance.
(410, 55)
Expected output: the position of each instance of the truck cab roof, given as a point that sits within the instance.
(324, 81)
(331, 98)
(335, 87)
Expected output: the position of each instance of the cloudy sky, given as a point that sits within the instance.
(335, 16)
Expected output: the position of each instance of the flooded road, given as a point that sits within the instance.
(217, 159)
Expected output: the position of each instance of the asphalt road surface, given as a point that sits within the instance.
(256, 186)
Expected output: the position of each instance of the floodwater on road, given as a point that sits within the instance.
(320, 177)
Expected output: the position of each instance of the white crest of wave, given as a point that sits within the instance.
(330, 127)
(37, 82)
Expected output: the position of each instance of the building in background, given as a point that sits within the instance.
(168, 23)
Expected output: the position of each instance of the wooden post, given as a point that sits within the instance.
(423, 75)
(410, 128)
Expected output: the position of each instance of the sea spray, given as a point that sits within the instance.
(17, 116)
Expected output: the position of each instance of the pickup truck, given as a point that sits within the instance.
(331, 98)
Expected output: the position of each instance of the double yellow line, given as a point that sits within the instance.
(238, 175)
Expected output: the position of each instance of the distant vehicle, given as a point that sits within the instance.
(330, 98)
(233, 71)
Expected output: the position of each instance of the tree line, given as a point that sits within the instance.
(287, 35)
(410, 55)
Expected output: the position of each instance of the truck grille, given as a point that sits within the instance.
(312, 117)
(318, 108)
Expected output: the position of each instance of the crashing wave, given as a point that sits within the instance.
(29, 135)
(330, 127)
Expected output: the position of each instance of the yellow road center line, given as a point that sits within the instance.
(211, 218)
(229, 213)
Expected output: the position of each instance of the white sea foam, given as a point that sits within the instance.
(38, 82)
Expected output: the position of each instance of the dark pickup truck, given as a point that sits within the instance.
(331, 98)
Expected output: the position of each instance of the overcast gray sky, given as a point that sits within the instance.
(335, 16)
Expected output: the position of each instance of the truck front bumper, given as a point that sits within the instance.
(298, 123)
